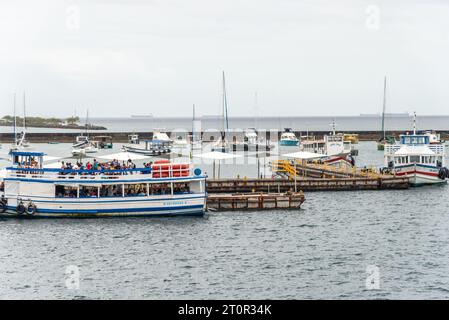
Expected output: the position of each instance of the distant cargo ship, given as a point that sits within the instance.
(142, 116)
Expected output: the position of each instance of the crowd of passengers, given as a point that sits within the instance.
(104, 166)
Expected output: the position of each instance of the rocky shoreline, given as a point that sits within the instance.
(69, 126)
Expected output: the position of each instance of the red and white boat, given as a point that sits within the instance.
(417, 157)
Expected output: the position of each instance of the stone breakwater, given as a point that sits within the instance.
(122, 137)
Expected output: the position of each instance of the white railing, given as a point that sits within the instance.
(390, 149)
(437, 148)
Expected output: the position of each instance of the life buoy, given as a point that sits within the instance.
(20, 209)
(2, 207)
(31, 209)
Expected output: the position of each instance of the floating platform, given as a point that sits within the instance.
(254, 201)
(305, 184)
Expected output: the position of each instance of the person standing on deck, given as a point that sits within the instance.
(95, 165)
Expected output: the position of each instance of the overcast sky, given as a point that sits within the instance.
(317, 57)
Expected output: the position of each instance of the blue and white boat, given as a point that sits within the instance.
(164, 189)
(418, 158)
(288, 138)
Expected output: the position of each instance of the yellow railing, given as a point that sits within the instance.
(283, 166)
(287, 167)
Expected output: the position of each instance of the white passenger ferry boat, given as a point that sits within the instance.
(418, 158)
(163, 189)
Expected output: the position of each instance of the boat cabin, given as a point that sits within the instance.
(21, 159)
(102, 142)
(133, 139)
(81, 139)
(414, 149)
(28, 177)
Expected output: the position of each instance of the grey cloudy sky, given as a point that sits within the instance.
(303, 57)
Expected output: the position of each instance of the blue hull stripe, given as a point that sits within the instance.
(418, 165)
(289, 143)
(169, 210)
(93, 216)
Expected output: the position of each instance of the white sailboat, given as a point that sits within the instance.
(20, 141)
(385, 139)
(83, 145)
(222, 145)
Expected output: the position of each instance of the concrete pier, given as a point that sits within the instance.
(306, 184)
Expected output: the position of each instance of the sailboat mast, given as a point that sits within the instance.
(193, 124)
(225, 106)
(24, 117)
(15, 120)
(256, 111)
(87, 122)
(384, 106)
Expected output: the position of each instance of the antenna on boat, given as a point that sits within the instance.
(414, 123)
(333, 125)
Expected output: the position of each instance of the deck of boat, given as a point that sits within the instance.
(254, 201)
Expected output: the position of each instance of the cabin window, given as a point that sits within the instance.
(160, 188)
(135, 190)
(428, 159)
(414, 159)
(401, 160)
(66, 192)
(88, 192)
(111, 190)
(180, 188)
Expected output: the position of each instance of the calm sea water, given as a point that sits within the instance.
(345, 123)
(320, 251)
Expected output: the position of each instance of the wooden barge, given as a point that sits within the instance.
(254, 201)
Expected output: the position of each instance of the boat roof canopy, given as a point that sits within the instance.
(415, 150)
(27, 154)
(157, 141)
(304, 155)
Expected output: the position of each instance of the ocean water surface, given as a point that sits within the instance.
(321, 251)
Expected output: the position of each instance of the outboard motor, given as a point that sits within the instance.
(443, 173)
